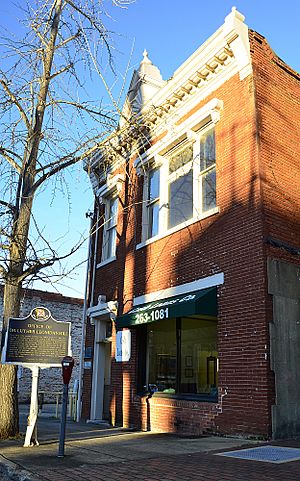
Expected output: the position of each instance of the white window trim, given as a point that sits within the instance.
(162, 163)
(106, 230)
(178, 227)
(109, 190)
(209, 113)
(107, 261)
(113, 183)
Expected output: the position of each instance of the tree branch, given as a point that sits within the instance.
(93, 24)
(62, 70)
(8, 205)
(58, 168)
(13, 163)
(62, 44)
(16, 103)
(80, 107)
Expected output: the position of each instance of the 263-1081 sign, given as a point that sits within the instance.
(37, 339)
(152, 315)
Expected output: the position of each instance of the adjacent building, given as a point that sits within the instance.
(194, 318)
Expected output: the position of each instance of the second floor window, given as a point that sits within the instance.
(153, 203)
(208, 170)
(110, 228)
(183, 187)
(180, 187)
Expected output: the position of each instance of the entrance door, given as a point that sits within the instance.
(101, 372)
(107, 370)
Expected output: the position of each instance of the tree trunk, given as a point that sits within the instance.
(9, 412)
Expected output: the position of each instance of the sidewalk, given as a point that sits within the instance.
(95, 453)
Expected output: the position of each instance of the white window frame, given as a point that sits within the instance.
(161, 162)
(150, 202)
(109, 229)
(106, 193)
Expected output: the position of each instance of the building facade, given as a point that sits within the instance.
(194, 318)
(62, 308)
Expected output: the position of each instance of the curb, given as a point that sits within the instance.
(10, 471)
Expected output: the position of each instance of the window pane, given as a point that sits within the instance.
(153, 185)
(112, 212)
(199, 357)
(153, 210)
(209, 190)
(178, 160)
(207, 150)
(181, 200)
(162, 355)
(111, 242)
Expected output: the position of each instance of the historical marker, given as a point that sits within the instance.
(37, 339)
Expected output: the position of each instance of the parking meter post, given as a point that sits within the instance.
(67, 366)
(61, 448)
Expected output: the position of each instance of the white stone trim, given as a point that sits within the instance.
(107, 261)
(227, 47)
(235, 32)
(210, 112)
(103, 310)
(114, 182)
(210, 281)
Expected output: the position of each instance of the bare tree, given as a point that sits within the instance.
(48, 124)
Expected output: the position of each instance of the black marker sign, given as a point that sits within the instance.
(37, 339)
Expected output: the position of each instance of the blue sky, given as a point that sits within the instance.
(170, 30)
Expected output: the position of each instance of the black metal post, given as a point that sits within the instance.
(61, 449)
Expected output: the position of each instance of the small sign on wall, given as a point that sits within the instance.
(123, 346)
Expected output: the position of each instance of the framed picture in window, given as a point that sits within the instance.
(188, 361)
(188, 372)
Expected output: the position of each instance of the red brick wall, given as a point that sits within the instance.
(252, 159)
(278, 114)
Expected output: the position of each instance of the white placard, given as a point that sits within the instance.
(123, 346)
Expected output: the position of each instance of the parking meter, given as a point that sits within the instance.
(67, 367)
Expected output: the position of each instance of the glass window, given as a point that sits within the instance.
(184, 187)
(180, 193)
(180, 159)
(180, 200)
(110, 228)
(153, 203)
(198, 356)
(182, 356)
(208, 170)
(162, 355)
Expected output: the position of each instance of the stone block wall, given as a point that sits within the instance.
(62, 308)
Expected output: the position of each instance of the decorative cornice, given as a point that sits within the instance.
(224, 54)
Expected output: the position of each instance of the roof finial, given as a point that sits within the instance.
(146, 59)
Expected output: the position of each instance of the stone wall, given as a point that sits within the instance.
(62, 309)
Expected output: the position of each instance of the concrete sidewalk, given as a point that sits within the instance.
(94, 453)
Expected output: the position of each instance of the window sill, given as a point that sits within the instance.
(178, 227)
(183, 397)
(107, 261)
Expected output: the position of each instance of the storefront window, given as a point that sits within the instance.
(162, 367)
(198, 356)
(182, 356)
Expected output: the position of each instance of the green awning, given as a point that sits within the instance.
(202, 302)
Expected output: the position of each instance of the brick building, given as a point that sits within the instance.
(62, 308)
(195, 284)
